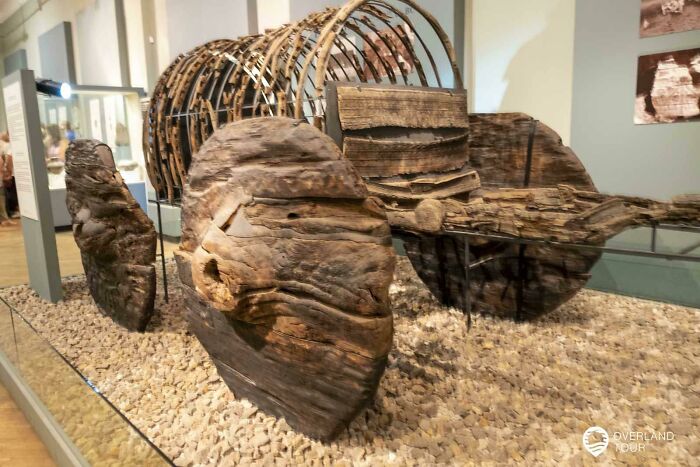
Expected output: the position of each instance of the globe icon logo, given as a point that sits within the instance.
(595, 440)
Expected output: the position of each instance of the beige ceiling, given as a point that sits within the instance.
(7, 7)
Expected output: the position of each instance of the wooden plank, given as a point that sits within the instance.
(387, 157)
(363, 107)
(433, 186)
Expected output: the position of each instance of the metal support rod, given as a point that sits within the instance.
(467, 285)
(162, 252)
(522, 275)
(522, 264)
(573, 246)
(653, 238)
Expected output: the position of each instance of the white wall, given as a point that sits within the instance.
(97, 41)
(192, 23)
(50, 15)
(522, 59)
(273, 13)
(136, 43)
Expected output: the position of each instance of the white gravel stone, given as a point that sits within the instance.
(506, 392)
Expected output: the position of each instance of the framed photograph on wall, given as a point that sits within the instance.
(668, 16)
(668, 87)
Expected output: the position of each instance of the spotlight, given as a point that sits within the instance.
(54, 88)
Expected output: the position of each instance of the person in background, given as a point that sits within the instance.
(69, 132)
(4, 218)
(8, 181)
(57, 145)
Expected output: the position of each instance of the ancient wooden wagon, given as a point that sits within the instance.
(298, 152)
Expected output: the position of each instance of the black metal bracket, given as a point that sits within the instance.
(162, 251)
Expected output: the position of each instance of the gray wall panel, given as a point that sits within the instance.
(17, 60)
(56, 53)
(655, 161)
(191, 24)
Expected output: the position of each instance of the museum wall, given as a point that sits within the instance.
(190, 24)
(449, 13)
(100, 61)
(655, 161)
(95, 41)
(522, 58)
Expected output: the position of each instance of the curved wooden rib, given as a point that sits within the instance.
(286, 265)
(280, 73)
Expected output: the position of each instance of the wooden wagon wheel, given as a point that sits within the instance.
(498, 148)
(286, 264)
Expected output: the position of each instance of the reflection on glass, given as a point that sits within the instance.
(94, 426)
(103, 116)
(7, 334)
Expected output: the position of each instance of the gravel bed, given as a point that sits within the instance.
(505, 392)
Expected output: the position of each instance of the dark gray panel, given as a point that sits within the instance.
(56, 53)
(17, 60)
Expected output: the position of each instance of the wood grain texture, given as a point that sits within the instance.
(216, 83)
(572, 213)
(429, 186)
(116, 239)
(406, 107)
(386, 157)
(286, 264)
(498, 151)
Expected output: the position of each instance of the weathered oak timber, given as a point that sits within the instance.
(498, 147)
(396, 106)
(116, 239)
(571, 213)
(386, 157)
(498, 151)
(286, 264)
(430, 186)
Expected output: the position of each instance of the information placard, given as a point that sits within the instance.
(14, 111)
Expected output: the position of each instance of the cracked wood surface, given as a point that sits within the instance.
(116, 239)
(286, 264)
(561, 205)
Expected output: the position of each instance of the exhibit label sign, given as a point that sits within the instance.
(14, 110)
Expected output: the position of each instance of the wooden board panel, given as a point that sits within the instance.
(386, 157)
(372, 107)
(428, 186)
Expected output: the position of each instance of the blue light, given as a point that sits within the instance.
(66, 91)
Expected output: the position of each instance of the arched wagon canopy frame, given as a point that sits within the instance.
(283, 73)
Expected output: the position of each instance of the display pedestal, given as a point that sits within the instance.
(61, 218)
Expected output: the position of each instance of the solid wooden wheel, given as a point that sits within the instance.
(286, 264)
(498, 147)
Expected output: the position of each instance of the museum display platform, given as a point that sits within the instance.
(504, 392)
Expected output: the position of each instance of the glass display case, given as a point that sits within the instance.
(109, 114)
